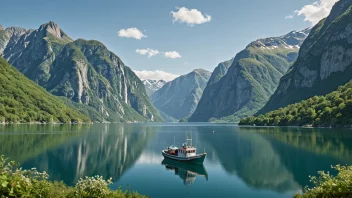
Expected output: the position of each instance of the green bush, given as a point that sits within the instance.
(329, 186)
(15, 182)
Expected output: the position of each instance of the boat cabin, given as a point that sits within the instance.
(184, 151)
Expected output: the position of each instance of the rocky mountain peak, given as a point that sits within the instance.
(202, 72)
(15, 31)
(292, 40)
(54, 29)
(1, 28)
(152, 86)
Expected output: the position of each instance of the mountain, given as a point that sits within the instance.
(21, 100)
(334, 109)
(86, 72)
(324, 62)
(151, 86)
(180, 97)
(219, 72)
(250, 80)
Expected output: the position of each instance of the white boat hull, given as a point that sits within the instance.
(198, 159)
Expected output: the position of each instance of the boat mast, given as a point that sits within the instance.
(189, 140)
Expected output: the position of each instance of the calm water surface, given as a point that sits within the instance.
(241, 161)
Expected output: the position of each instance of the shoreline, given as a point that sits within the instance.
(305, 126)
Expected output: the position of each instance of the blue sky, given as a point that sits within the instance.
(233, 24)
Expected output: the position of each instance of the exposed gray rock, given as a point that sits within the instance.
(324, 62)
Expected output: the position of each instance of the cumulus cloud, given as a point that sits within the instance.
(131, 33)
(172, 54)
(150, 52)
(155, 75)
(316, 11)
(190, 16)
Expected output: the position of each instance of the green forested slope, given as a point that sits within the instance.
(21, 100)
(334, 109)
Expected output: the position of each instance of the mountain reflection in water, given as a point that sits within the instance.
(242, 161)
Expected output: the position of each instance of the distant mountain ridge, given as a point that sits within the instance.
(85, 72)
(152, 86)
(246, 82)
(324, 62)
(179, 98)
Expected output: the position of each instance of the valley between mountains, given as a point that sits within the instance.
(92, 84)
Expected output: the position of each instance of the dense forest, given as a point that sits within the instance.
(23, 101)
(334, 109)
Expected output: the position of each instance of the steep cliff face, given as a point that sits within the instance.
(324, 63)
(83, 71)
(179, 98)
(251, 79)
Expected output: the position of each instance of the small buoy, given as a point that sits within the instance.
(213, 131)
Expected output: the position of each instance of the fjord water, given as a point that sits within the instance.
(241, 161)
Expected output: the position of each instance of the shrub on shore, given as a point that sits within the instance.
(15, 182)
(329, 186)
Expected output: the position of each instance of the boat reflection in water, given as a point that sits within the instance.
(187, 172)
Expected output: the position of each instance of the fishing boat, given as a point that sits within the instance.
(186, 153)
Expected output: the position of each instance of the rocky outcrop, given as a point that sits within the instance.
(250, 80)
(10, 36)
(324, 62)
(85, 72)
(179, 98)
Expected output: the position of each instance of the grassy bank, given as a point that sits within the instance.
(15, 182)
(328, 186)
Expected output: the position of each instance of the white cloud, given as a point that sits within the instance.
(131, 33)
(190, 16)
(289, 17)
(150, 52)
(316, 11)
(172, 54)
(156, 75)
